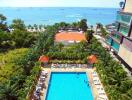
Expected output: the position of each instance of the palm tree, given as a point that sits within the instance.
(91, 26)
(60, 46)
(32, 28)
(98, 26)
(35, 26)
(29, 26)
(3, 25)
(89, 35)
(18, 24)
(40, 27)
(8, 91)
(2, 18)
(83, 25)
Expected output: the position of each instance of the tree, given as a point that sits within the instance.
(75, 25)
(91, 26)
(8, 91)
(18, 24)
(104, 32)
(2, 18)
(23, 38)
(89, 35)
(6, 41)
(35, 26)
(3, 25)
(99, 25)
(29, 26)
(83, 25)
(40, 27)
(60, 46)
(102, 29)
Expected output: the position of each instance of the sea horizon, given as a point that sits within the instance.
(51, 15)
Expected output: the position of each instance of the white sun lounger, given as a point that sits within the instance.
(99, 87)
(101, 92)
(103, 97)
(44, 72)
(95, 78)
(42, 77)
(97, 83)
(94, 74)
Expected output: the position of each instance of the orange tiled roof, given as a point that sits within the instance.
(69, 36)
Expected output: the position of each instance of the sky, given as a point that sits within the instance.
(60, 3)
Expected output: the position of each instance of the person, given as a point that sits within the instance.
(86, 82)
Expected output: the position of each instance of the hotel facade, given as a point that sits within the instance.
(120, 39)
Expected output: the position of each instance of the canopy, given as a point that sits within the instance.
(43, 58)
(92, 59)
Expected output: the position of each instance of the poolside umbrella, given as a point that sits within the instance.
(91, 59)
(44, 60)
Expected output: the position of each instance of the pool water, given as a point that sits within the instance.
(69, 86)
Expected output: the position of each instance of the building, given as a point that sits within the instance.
(69, 37)
(120, 40)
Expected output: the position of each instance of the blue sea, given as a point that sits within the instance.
(51, 15)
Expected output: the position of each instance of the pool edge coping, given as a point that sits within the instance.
(48, 79)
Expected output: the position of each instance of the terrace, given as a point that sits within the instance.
(94, 82)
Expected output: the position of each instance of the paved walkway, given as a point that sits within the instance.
(104, 44)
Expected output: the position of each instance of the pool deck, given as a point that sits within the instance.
(88, 72)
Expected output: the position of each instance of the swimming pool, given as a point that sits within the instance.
(69, 86)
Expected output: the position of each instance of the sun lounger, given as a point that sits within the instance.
(37, 96)
(99, 87)
(95, 78)
(37, 89)
(96, 83)
(44, 72)
(101, 92)
(42, 77)
(94, 74)
(103, 97)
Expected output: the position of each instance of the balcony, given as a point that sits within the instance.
(124, 18)
(109, 40)
(116, 37)
(115, 45)
(124, 30)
